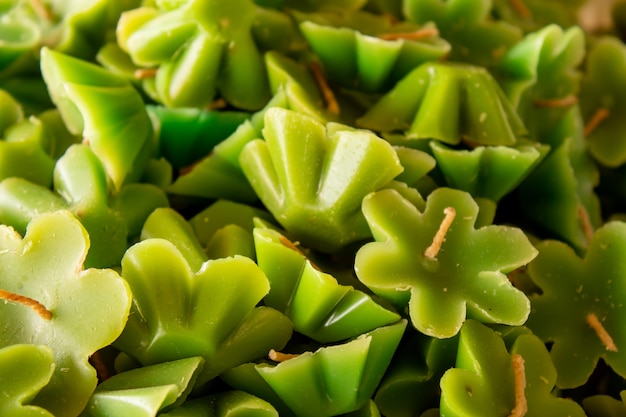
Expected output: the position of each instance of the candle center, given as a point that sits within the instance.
(432, 251)
(603, 335)
(28, 302)
(519, 373)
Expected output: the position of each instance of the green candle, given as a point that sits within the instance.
(57, 303)
(441, 266)
(580, 306)
(172, 302)
(314, 184)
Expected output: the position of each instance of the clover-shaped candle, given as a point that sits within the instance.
(50, 300)
(180, 312)
(581, 305)
(476, 109)
(24, 370)
(439, 264)
(313, 181)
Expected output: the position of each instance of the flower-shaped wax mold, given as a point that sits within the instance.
(602, 93)
(438, 264)
(24, 370)
(368, 52)
(107, 109)
(172, 302)
(337, 312)
(145, 391)
(531, 15)
(476, 109)
(581, 306)
(172, 40)
(487, 171)
(331, 381)
(559, 194)
(224, 404)
(466, 24)
(417, 366)
(51, 300)
(80, 185)
(540, 75)
(313, 181)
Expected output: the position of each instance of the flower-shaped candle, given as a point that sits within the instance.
(331, 381)
(487, 171)
(476, 109)
(198, 47)
(580, 308)
(107, 110)
(368, 52)
(180, 312)
(438, 264)
(336, 313)
(49, 299)
(541, 77)
(24, 371)
(603, 91)
(145, 391)
(313, 180)
(466, 24)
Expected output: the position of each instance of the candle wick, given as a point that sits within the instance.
(329, 97)
(144, 73)
(415, 35)
(598, 117)
(28, 302)
(521, 9)
(519, 373)
(583, 216)
(281, 357)
(434, 248)
(566, 101)
(42, 10)
(603, 335)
